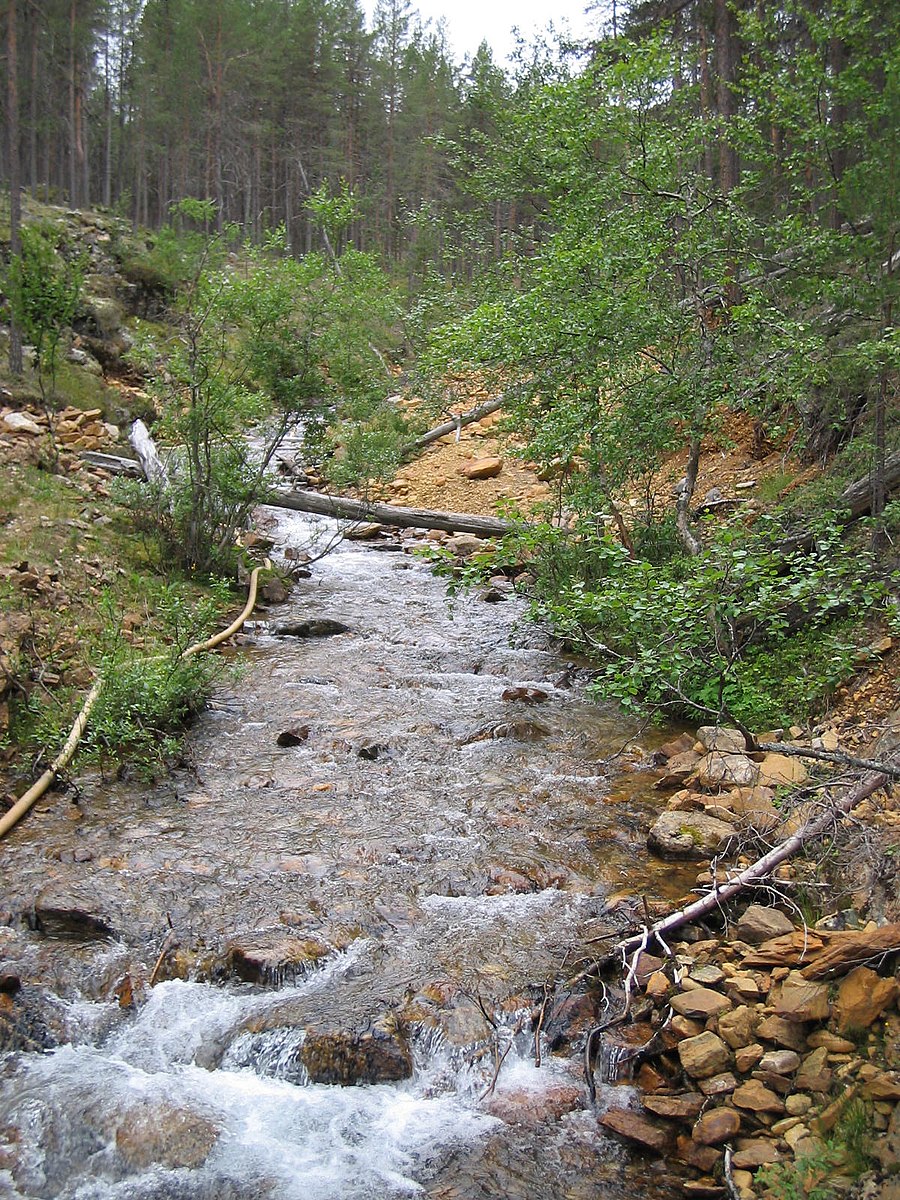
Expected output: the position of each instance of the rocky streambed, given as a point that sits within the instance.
(355, 949)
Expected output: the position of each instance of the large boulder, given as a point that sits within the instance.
(722, 768)
(759, 924)
(482, 468)
(690, 835)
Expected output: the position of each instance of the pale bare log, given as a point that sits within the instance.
(390, 514)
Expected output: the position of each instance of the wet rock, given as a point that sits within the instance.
(62, 915)
(635, 1128)
(700, 1003)
(364, 532)
(314, 628)
(694, 836)
(275, 957)
(295, 736)
(274, 591)
(170, 1136)
(524, 695)
(703, 1158)
(704, 1055)
(482, 468)
(677, 769)
(759, 924)
(716, 1127)
(570, 1017)
(30, 1020)
(862, 997)
(370, 750)
(535, 1108)
(347, 1058)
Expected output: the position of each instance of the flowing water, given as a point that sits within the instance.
(391, 902)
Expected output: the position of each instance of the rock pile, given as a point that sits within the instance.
(767, 1039)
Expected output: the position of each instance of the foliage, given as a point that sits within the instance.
(44, 287)
(846, 1153)
(259, 349)
(710, 635)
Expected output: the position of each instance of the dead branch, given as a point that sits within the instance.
(389, 514)
(763, 867)
(832, 756)
(455, 423)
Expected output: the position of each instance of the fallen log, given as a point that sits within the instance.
(115, 464)
(390, 514)
(454, 424)
(855, 501)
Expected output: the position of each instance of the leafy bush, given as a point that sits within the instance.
(742, 631)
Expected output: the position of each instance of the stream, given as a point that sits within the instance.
(391, 903)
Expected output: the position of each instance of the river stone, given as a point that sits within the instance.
(482, 468)
(295, 736)
(685, 1107)
(755, 1152)
(832, 1043)
(30, 1020)
(800, 1000)
(704, 1158)
(814, 1075)
(274, 591)
(862, 997)
(778, 770)
(704, 1055)
(700, 1003)
(716, 1126)
(718, 1085)
(635, 1128)
(753, 807)
(61, 914)
(348, 1058)
(757, 1098)
(275, 957)
(165, 1134)
(693, 836)
(758, 924)
(718, 767)
(738, 1027)
(746, 1057)
(719, 737)
(316, 627)
(782, 1032)
(677, 769)
(781, 1062)
(707, 974)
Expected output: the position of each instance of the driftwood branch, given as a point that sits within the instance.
(454, 424)
(831, 756)
(390, 514)
(763, 867)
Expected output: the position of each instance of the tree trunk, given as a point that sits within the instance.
(15, 192)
